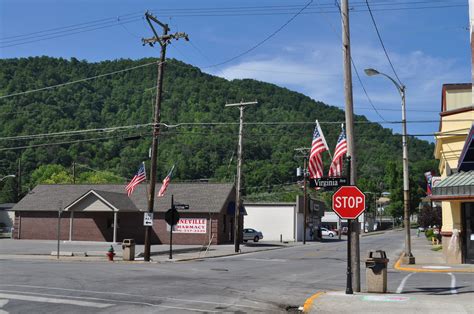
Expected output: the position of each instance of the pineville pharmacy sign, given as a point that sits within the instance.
(191, 225)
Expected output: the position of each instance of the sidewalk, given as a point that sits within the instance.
(427, 260)
(96, 251)
(339, 302)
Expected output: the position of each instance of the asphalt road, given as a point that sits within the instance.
(269, 281)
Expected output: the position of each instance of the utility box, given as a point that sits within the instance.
(376, 272)
(128, 246)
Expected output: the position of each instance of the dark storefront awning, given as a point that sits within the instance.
(457, 186)
(466, 160)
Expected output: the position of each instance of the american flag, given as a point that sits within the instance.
(318, 146)
(429, 181)
(137, 179)
(166, 182)
(341, 149)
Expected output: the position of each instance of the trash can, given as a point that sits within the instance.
(128, 246)
(376, 272)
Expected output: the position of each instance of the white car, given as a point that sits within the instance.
(326, 232)
(251, 234)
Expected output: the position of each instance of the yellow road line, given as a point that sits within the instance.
(420, 270)
(309, 302)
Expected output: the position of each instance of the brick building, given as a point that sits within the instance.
(104, 212)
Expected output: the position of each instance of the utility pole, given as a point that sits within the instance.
(355, 227)
(303, 152)
(73, 172)
(163, 40)
(19, 180)
(238, 192)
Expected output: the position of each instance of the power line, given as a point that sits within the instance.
(73, 26)
(262, 41)
(78, 81)
(75, 132)
(381, 42)
(68, 33)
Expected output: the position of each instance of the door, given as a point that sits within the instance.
(468, 226)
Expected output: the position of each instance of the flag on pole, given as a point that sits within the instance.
(166, 182)
(137, 179)
(318, 146)
(341, 149)
(429, 181)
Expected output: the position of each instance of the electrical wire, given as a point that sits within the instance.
(79, 81)
(75, 132)
(381, 42)
(262, 41)
(68, 33)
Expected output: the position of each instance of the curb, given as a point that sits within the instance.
(97, 258)
(419, 270)
(309, 301)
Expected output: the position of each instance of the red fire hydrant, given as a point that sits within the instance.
(111, 253)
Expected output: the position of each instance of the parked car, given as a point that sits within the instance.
(326, 232)
(251, 234)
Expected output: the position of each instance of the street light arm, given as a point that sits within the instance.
(401, 88)
(8, 176)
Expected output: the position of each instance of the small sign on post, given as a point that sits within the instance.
(148, 219)
(328, 183)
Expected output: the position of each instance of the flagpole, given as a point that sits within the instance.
(147, 183)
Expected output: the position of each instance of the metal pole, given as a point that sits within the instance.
(305, 199)
(171, 227)
(73, 172)
(409, 258)
(59, 229)
(350, 133)
(154, 144)
(238, 192)
(349, 241)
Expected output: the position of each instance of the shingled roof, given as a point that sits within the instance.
(201, 197)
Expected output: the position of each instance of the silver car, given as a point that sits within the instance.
(251, 234)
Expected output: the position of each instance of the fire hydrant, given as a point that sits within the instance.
(111, 253)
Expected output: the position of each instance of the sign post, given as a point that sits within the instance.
(172, 218)
(348, 203)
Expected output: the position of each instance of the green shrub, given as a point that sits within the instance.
(429, 233)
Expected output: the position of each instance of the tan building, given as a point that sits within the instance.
(455, 151)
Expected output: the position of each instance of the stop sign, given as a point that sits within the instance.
(348, 202)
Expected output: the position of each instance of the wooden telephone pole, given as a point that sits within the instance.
(238, 192)
(163, 40)
(349, 109)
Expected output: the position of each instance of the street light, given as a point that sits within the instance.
(408, 257)
(8, 176)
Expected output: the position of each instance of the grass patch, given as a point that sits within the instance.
(437, 248)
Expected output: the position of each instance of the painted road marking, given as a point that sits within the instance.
(436, 267)
(402, 284)
(266, 260)
(383, 298)
(53, 300)
(130, 302)
(453, 284)
(2, 304)
(138, 296)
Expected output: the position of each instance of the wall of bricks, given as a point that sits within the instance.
(98, 226)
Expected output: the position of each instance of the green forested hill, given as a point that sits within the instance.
(190, 96)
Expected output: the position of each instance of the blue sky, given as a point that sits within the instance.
(428, 46)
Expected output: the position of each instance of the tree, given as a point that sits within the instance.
(429, 216)
(50, 174)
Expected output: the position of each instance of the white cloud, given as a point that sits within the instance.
(317, 72)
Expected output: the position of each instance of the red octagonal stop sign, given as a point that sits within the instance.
(348, 202)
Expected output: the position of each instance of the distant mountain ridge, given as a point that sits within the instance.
(204, 143)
